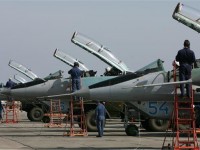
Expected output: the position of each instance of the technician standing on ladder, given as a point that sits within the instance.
(76, 74)
(186, 58)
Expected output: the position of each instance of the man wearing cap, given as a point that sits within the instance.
(76, 74)
(186, 58)
(100, 113)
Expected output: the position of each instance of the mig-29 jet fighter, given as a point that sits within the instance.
(98, 49)
(30, 91)
(35, 109)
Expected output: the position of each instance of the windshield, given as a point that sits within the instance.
(152, 67)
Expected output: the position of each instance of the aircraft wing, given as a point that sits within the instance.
(69, 60)
(60, 96)
(99, 51)
(160, 84)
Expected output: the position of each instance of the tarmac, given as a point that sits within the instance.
(27, 135)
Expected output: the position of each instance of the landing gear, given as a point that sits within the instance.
(158, 125)
(46, 119)
(35, 114)
(90, 121)
(131, 130)
(155, 125)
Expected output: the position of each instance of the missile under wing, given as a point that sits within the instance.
(188, 16)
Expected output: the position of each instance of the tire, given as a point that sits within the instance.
(131, 130)
(28, 116)
(36, 114)
(90, 121)
(145, 124)
(158, 125)
(46, 119)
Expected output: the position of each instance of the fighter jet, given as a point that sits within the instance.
(29, 92)
(150, 107)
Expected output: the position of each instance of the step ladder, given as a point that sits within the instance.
(55, 115)
(77, 116)
(11, 112)
(183, 114)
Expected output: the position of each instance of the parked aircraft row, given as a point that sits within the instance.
(149, 90)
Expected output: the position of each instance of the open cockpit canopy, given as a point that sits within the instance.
(99, 51)
(188, 16)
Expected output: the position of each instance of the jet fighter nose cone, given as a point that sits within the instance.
(83, 92)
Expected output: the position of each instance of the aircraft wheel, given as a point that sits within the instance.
(145, 124)
(36, 114)
(28, 116)
(131, 130)
(158, 125)
(90, 121)
(46, 119)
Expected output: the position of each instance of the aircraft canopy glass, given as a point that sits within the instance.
(99, 50)
(188, 16)
(22, 69)
(152, 67)
(69, 60)
(19, 78)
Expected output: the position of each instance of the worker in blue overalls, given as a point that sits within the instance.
(100, 113)
(186, 58)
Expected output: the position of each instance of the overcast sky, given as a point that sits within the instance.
(137, 32)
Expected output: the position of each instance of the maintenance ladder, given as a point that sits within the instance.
(185, 138)
(55, 115)
(77, 115)
(11, 112)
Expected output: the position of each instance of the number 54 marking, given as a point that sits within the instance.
(154, 107)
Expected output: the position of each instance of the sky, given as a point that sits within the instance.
(136, 31)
